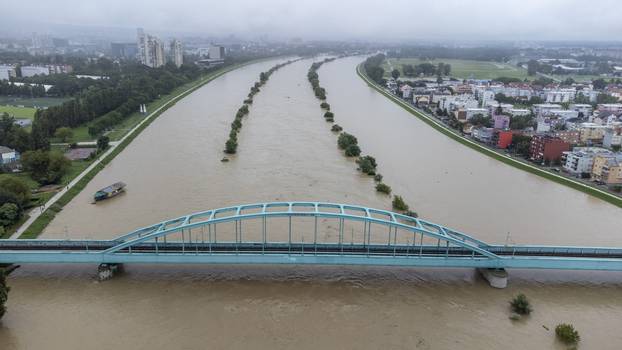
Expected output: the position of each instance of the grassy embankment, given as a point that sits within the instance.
(166, 102)
(604, 195)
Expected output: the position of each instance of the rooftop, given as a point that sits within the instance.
(4, 149)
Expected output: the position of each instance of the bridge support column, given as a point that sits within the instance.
(497, 278)
(107, 271)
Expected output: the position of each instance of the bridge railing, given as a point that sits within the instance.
(401, 230)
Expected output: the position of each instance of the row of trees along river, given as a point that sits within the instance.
(231, 146)
(349, 143)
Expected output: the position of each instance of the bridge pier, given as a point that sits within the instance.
(497, 278)
(107, 271)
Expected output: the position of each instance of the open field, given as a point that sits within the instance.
(40, 102)
(18, 112)
(463, 69)
(577, 77)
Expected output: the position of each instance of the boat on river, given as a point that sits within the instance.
(109, 191)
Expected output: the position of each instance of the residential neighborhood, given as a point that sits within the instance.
(572, 128)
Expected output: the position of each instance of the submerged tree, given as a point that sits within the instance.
(383, 188)
(353, 151)
(399, 203)
(520, 305)
(4, 292)
(567, 334)
(346, 140)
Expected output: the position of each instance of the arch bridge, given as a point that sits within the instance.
(306, 233)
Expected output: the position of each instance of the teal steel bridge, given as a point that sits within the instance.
(382, 238)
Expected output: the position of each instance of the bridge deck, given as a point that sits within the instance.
(84, 251)
(420, 243)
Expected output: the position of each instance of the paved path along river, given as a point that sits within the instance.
(286, 152)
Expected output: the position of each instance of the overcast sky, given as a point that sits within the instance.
(337, 19)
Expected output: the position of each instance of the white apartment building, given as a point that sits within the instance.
(581, 159)
(216, 52)
(150, 50)
(177, 53)
(454, 102)
(519, 112)
(590, 94)
(31, 71)
(545, 108)
(565, 113)
(406, 90)
(7, 72)
(559, 95)
(582, 108)
(612, 137)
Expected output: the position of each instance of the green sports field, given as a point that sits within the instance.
(463, 69)
(39, 102)
(18, 112)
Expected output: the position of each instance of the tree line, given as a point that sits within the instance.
(26, 90)
(373, 69)
(498, 54)
(348, 143)
(426, 69)
(112, 99)
(231, 145)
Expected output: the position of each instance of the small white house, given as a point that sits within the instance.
(8, 156)
(406, 90)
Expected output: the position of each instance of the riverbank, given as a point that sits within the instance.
(39, 219)
(608, 197)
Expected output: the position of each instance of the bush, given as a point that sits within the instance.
(411, 213)
(378, 177)
(63, 133)
(336, 128)
(325, 105)
(248, 101)
(346, 140)
(329, 115)
(399, 203)
(102, 142)
(9, 214)
(4, 292)
(383, 188)
(231, 146)
(521, 305)
(237, 124)
(14, 190)
(45, 167)
(353, 151)
(567, 334)
(367, 165)
(320, 93)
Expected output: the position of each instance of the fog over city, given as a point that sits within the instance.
(399, 20)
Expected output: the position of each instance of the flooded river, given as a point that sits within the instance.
(287, 152)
